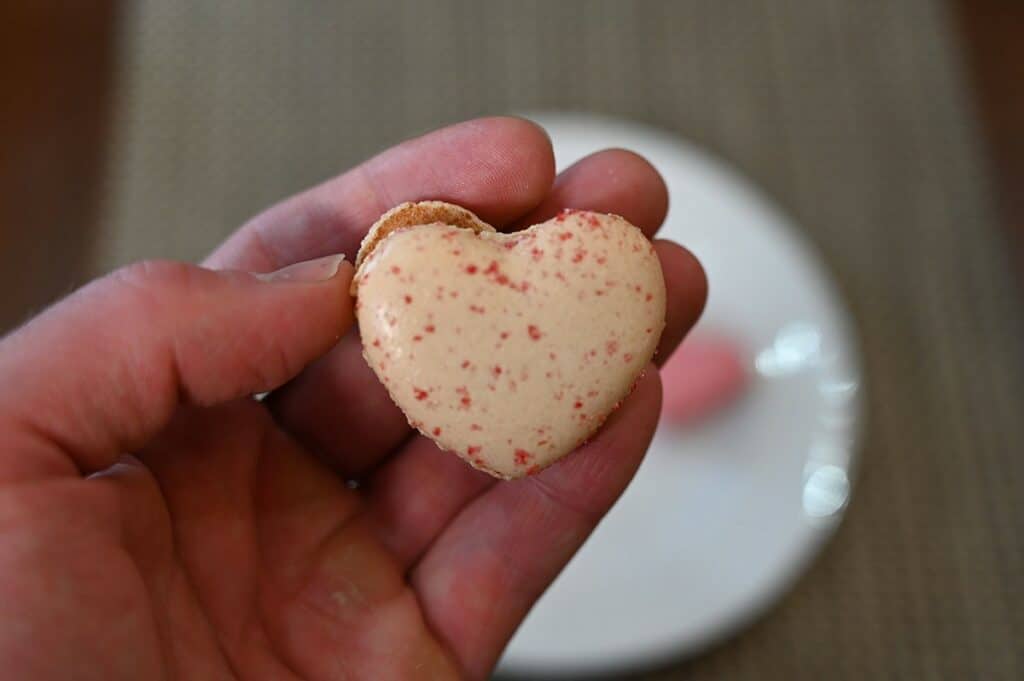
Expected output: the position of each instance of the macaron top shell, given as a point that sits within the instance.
(509, 349)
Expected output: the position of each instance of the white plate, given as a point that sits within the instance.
(722, 519)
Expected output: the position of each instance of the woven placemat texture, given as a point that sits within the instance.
(854, 116)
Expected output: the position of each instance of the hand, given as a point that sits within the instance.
(156, 522)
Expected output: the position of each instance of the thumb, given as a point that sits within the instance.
(102, 371)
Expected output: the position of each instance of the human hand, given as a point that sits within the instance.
(158, 522)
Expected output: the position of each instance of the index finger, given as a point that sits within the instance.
(499, 168)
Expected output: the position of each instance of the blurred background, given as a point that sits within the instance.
(893, 132)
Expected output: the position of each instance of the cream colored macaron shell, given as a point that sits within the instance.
(507, 349)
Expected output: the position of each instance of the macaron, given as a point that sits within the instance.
(507, 349)
(705, 375)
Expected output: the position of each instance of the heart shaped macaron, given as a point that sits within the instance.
(509, 349)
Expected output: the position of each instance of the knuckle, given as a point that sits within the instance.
(151, 285)
(159, 274)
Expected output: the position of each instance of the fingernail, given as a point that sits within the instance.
(319, 269)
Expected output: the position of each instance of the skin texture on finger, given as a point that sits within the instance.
(508, 544)
(418, 490)
(101, 372)
(338, 406)
(499, 168)
(628, 186)
(416, 493)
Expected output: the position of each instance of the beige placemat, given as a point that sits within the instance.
(854, 115)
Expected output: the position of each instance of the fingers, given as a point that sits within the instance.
(479, 579)
(627, 185)
(339, 408)
(498, 168)
(686, 289)
(418, 491)
(103, 370)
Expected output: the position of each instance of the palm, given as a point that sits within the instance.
(243, 556)
(230, 545)
(227, 550)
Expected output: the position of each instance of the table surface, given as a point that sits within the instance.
(855, 116)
